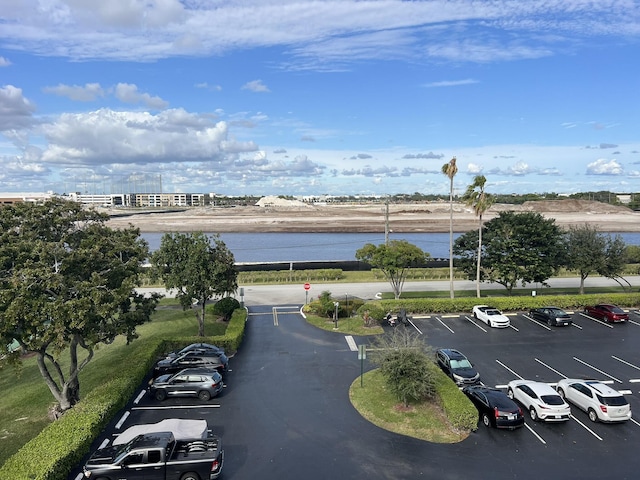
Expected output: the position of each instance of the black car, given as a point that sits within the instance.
(203, 348)
(190, 382)
(193, 359)
(496, 409)
(552, 316)
(457, 366)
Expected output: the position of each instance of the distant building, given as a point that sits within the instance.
(19, 197)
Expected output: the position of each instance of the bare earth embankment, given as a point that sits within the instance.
(403, 218)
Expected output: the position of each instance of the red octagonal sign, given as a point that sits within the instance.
(307, 286)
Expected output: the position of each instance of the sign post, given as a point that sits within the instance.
(307, 287)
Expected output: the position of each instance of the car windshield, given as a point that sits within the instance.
(552, 399)
(557, 312)
(462, 363)
(493, 312)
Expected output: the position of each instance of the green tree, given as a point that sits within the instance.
(614, 263)
(197, 268)
(517, 247)
(450, 169)
(632, 254)
(480, 201)
(394, 260)
(586, 251)
(405, 364)
(67, 284)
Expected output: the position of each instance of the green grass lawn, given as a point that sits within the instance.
(26, 400)
(351, 325)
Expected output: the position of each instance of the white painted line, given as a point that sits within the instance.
(481, 328)
(625, 362)
(634, 380)
(537, 436)
(139, 397)
(274, 311)
(625, 392)
(596, 369)
(574, 324)
(635, 323)
(503, 365)
(104, 443)
(511, 326)
(536, 322)
(634, 421)
(80, 476)
(444, 325)
(552, 369)
(587, 428)
(176, 407)
(351, 342)
(596, 320)
(122, 419)
(414, 326)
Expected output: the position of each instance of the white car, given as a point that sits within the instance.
(491, 316)
(600, 401)
(540, 399)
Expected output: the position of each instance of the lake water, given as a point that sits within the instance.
(298, 247)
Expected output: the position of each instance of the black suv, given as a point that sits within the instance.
(457, 366)
(190, 382)
(193, 359)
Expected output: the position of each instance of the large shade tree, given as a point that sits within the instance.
(67, 284)
(394, 260)
(477, 198)
(517, 248)
(199, 267)
(450, 169)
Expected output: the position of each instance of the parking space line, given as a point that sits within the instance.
(536, 322)
(536, 435)
(597, 370)
(122, 419)
(414, 325)
(444, 325)
(275, 316)
(635, 323)
(351, 342)
(574, 324)
(625, 362)
(634, 421)
(552, 369)
(587, 428)
(596, 320)
(177, 407)
(507, 368)
(511, 326)
(481, 328)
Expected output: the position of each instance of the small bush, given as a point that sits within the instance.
(225, 307)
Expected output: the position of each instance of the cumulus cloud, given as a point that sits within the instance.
(16, 111)
(128, 93)
(361, 156)
(604, 167)
(4, 62)
(430, 155)
(474, 168)
(256, 86)
(87, 93)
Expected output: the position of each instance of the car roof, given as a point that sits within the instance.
(199, 371)
(451, 352)
(539, 388)
(601, 388)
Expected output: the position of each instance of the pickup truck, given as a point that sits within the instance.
(155, 454)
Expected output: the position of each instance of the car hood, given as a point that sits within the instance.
(465, 372)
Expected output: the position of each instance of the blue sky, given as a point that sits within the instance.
(319, 97)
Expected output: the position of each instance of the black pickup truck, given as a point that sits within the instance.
(160, 456)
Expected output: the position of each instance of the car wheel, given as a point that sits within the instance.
(561, 393)
(486, 420)
(160, 395)
(190, 476)
(593, 416)
(204, 395)
(549, 322)
(510, 393)
(534, 414)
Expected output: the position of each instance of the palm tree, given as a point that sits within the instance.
(480, 201)
(450, 169)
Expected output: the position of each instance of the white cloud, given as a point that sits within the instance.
(16, 111)
(450, 83)
(4, 62)
(87, 93)
(255, 86)
(128, 93)
(474, 168)
(604, 167)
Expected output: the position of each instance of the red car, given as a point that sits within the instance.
(608, 313)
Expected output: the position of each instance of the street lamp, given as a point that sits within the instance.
(335, 315)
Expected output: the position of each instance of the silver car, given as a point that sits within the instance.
(600, 401)
(541, 400)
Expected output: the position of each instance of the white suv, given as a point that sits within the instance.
(600, 401)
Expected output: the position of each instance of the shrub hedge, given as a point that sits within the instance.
(63, 444)
(462, 414)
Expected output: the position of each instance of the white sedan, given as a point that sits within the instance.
(540, 399)
(491, 316)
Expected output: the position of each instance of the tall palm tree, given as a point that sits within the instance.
(480, 201)
(450, 169)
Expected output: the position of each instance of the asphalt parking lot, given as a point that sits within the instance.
(285, 411)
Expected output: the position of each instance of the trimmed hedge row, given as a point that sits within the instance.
(506, 304)
(62, 445)
(462, 414)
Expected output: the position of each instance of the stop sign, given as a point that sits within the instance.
(307, 286)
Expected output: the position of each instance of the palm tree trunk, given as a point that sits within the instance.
(479, 259)
(451, 239)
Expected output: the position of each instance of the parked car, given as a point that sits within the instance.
(607, 313)
(190, 382)
(552, 316)
(600, 401)
(496, 409)
(491, 316)
(204, 348)
(540, 400)
(193, 359)
(457, 366)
